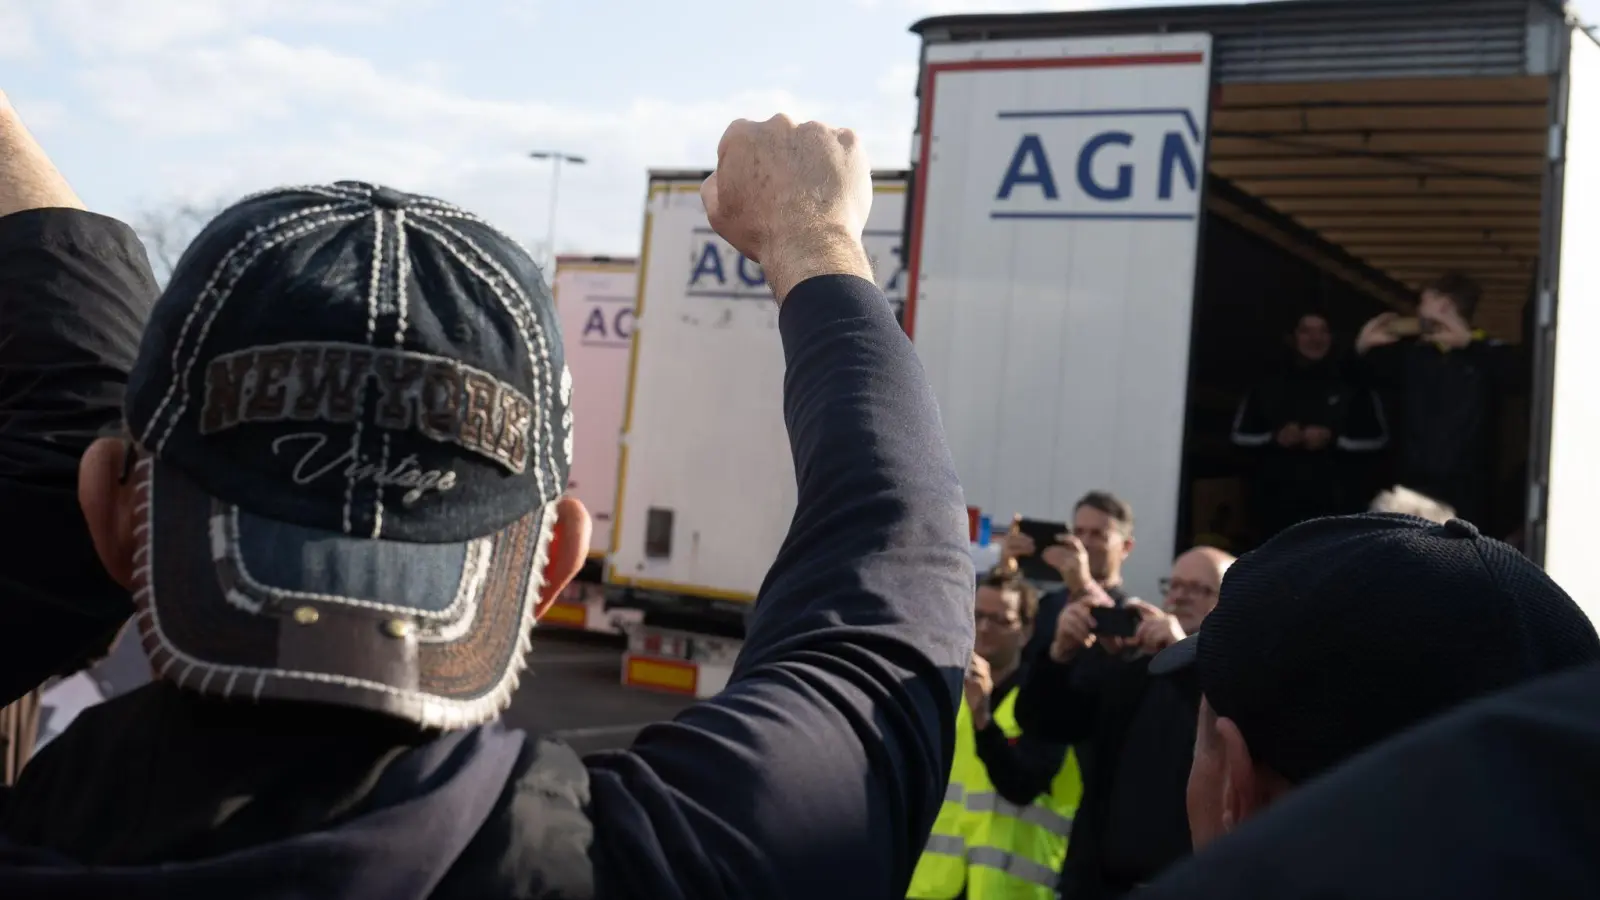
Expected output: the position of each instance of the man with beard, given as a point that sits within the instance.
(1302, 421)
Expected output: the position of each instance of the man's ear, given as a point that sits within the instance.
(1127, 546)
(108, 506)
(1242, 794)
(569, 547)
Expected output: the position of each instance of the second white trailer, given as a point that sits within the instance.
(706, 489)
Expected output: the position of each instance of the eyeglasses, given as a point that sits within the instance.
(995, 619)
(1169, 586)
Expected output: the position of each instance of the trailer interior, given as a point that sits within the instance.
(1358, 150)
(1347, 198)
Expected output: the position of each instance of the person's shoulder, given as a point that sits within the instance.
(70, 262)
(75, 293)
(53, 226)
(537, 841)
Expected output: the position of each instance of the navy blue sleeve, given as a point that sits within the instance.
(75, 291)
(1493, 802)
(819, 770)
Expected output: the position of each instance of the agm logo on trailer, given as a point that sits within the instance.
(608, 323)
(717, 271)
(1102, 164)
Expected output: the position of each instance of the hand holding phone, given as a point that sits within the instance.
(1116, 621)
(1074, 628)
(1409, 326)
(1041, 535)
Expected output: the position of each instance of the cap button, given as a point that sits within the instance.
(1461, 528)
(388, 198)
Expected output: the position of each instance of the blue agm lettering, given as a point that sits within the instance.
(709, 267)
(1030, 167)
(617, 326)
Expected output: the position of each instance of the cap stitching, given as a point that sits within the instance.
(524, 327)
(211, 289)
(330, 191)
(401, 302)
(438, 209)
(374, 280)
(180, 383)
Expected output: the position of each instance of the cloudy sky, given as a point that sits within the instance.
(146, 104)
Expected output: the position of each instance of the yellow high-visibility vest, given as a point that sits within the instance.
(982, 842)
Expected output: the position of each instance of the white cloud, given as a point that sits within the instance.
(899, 81)
(280, 113)
(17, 37)
(41, 116)
(95, 27)
(956, 7)
(951, 7)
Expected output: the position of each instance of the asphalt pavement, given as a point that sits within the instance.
(573, 690)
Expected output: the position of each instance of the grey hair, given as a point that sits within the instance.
(1400, 499)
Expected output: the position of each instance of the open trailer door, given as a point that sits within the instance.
(1571, 489)
(1054, 236)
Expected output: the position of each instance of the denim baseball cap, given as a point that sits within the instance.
(354, 418)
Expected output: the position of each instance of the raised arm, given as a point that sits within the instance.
(819, 770)
(75, 290)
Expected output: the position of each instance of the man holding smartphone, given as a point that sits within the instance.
(1450, 378)
(1132, 733)
(1091, 551)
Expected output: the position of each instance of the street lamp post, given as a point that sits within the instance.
(556, 158)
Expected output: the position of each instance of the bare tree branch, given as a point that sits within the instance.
(166, 232)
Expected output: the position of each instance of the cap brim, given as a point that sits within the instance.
(237, 605)
(1176, 658)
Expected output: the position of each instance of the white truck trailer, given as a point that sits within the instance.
(706, 486)
(1112, 213)
(594, 297)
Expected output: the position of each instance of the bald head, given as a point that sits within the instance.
(1195, 582)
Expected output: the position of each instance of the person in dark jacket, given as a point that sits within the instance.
(1405, 819)
(1451, 378)
(339, 505)
(1303, 423)
(1342, 632)
(1136, 731)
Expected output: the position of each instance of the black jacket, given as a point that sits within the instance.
(1311, 394)
(1135, 736)
(1291, 484)
(1495, 801)
(1450, 404)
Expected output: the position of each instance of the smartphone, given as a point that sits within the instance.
(1407, 327)
(1044, 534)
(1120, 622)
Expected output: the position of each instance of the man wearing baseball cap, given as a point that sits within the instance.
(1341, 632)
(339, 504)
